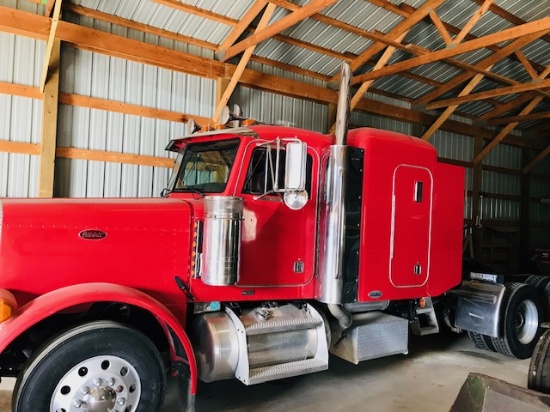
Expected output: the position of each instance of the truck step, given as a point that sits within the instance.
(426, 320)
(285, 370)
(276, 325)
(372, 335)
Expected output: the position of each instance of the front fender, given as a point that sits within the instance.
(61, 299)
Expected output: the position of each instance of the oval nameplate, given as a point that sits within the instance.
(92, 234)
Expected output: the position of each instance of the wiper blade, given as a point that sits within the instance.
(194, 190)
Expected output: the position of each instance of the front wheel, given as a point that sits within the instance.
(99, 366)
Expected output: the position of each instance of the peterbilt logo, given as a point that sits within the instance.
(92, 234)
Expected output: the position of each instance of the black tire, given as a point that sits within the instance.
(482, 341)
(538, 282)
(538, 378)
(521, 320)
(117, 362)
(546, 302)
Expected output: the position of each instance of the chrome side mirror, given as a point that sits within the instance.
(295, 195)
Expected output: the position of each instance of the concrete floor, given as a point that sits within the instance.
(427, 379)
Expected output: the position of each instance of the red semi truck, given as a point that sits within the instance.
(270, 248)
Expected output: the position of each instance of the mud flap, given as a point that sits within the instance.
(482, 393)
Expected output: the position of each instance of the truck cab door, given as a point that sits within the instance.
(410, 239)
(278, 244)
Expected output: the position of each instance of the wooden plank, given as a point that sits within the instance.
(119, 21)
(113, 157)
(244, 22)
(536, 160)
(520, 118)
(21, 90)
(126, 108)
(440, 27)
(520, 88)
(288, 21)
(450, 110)
(49, 45)
(506, 107)
(197, 11)
(394, 33)
(483, 64)
(471, 23)
(504, 132)
(46, 165)
(481, 42)
(49, 7)
(19, 147)
(264, 21)
(526, 64)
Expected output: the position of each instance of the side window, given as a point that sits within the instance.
(258, 176)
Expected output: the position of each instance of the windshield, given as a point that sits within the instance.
(204, 167)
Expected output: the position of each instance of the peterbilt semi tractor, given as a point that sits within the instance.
(271, 248)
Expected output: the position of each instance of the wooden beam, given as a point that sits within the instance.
(46, 166)
(197, 11)
(506, 107)
(447, 113)
(524, 118)
(288, 21)
(21, 90)
(35, 26)
(526, 64)
(481, 42)
(130, 24)
(440, 27)
(520, 88)
(126, 108)
(393, 34)
(264, 21)
(49, 7)
(7, 146)
(386, 56)
(483, 64)
(49, 45)
(104, 156)
(536, 160)
(245, 21)
(504, 132)
(471, 23)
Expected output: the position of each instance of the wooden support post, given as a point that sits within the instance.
(477, 171)
(524, 215)
(332, 108)
(49, 125)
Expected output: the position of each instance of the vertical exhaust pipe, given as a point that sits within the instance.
(330, 282)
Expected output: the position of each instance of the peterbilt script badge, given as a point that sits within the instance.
(92, 234)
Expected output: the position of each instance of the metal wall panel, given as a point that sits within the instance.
(453, 146)
(365, 119)
(277, 109)
(20, 117)
(505, 156)
(96, 75)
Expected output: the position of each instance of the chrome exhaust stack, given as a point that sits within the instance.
(330, 282)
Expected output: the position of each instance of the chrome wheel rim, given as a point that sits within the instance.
(526, 322)
(98, 384)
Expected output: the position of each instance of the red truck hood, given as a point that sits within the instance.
(48, 244)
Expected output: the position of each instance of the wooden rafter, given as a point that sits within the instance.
(393, 34)
(536, 160)
(506, 107)
(242, 64)
(49, 7)
(483, 64)
(481, 42)
(526, 64)
(471, 23)
(197, 11)
(49, 45)
(450, 110)
(440, 27)
(520, 88)
(504, 132)
(130, 24)
(284, 23)
(523, 118)
(245, 21)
